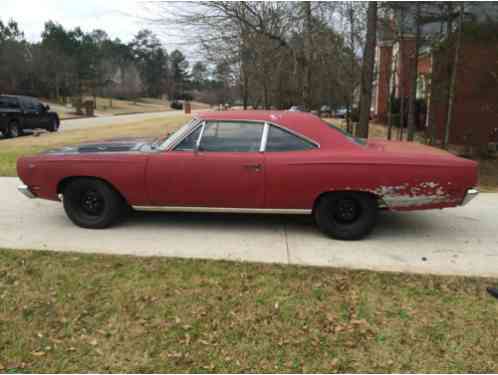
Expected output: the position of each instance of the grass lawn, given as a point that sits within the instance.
(63, 312)
(11, 149)
(141, 105)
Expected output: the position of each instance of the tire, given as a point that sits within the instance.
(91, 203)
(54, 125)
(13, 130)
(346, 215)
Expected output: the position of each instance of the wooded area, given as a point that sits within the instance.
(252, 54)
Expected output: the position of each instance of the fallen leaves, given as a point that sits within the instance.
(241, 318)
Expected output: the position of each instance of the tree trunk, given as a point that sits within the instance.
(349, 126)
(391, 93)
(412, 105)
(308, 52)
(245, 92)
(451, 93)
(367, 70)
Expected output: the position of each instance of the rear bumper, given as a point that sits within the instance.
(26, 191)
(469, 195)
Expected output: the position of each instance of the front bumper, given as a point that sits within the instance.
(26, 191)
(469, 195)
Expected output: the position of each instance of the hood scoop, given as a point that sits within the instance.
(107, 147)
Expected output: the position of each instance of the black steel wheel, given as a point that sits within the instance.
(92, 203)
(346, 215)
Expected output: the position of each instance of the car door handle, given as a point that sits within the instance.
(253, 167)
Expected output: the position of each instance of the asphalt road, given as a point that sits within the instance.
(83, 123)
(461, 241)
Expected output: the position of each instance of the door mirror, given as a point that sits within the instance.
(46, 107)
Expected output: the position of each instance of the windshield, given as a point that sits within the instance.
(359, 141)
(179, 134)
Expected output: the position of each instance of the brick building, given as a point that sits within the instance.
(475, 109)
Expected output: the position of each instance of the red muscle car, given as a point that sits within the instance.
(251, 162)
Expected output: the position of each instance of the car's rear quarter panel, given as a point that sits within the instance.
(295, 180)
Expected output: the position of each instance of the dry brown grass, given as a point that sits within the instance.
(141, 105)
(95, 313)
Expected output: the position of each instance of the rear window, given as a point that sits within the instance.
(359, 141)
(281, 140)
(8, 103)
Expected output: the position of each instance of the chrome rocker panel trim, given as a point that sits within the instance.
(26, 191)
(469, 195)
(223, 210)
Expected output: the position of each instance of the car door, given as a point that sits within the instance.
(28, 113)
(292, 176)
(31, 113)
(218, 165)
(41, 119)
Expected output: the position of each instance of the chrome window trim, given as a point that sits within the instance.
(265, 124)
(194, 128)
(201, 133)
(264, 137)
(296, 134)
(283, 211)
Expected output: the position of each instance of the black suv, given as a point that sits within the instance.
(18, 113)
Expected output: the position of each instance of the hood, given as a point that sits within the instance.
(114, 145)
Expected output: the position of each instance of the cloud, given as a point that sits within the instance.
(119, 18)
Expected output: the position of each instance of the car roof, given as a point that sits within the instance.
(303, 123)
(17, 96)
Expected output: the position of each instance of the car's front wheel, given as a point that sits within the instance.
(346, 215)
(92, 203)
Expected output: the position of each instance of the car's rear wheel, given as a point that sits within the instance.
(346, 215)
(13, 130)
(92, 203)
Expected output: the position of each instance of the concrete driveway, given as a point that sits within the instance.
(462, 241)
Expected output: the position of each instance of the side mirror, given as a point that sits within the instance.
(47, 107)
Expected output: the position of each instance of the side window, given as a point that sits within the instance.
(27, 104)
(231, 136)
(188, 143)
(35, 104)
(281, 140)
(8, 103)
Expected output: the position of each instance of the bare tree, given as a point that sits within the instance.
(412, 110)
(451, 92)
(367, 70)
(308, 54)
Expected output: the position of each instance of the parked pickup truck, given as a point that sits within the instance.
(18, 113)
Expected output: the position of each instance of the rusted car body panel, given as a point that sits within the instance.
(403, 176)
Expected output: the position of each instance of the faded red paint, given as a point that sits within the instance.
(406, 176)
